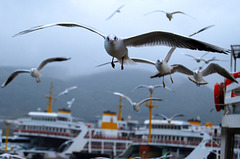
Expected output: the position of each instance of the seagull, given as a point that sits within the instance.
(197, 76)
(69, 103)
(168, 14)
(150, 87)
(35, 72)
(171, 118)
(136, 106)
(117, 47)
(67, 90)
(162, 65)
(116, 11)
(9, 156)
(197, 59)
(212, 59)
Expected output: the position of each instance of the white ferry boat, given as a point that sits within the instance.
(59, 135)
(177, 138)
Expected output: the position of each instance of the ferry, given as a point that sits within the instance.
(58, 134)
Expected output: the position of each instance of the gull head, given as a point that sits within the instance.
(159, 62)
(112, 38)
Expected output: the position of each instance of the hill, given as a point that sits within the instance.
(93, 95)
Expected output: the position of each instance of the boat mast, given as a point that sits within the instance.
(120, 110)
(50, 98)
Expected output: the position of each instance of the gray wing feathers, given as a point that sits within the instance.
(148, 99)
(169, 54)
(181, 69)
(215, 68)
(54, 59)
(64, 24)
(172, 40)
(123, 96)
(140, 60)
(13, 75)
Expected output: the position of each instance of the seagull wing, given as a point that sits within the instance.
(63, 92)
(141, 60)
(215, 68)
(191, 56)
(71, 88)
(69, 103)
(178, 12)
(164, 116)
(173, 48)
(172, 40)
(13, 75)
(118, 10)
(181, 69)
(203, 55)
(181, 13)
(155, 12)
(123, 96)
(176, 115)
(54, 59)
(64, 24)
(141, 86)
(201, 30)
(169, 54)
(148, 99)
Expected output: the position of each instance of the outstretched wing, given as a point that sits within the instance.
(64, 24)
(169, 54)
(118, 10)
(54, 59)
(148, 99)
(172, 40)
(140, 86)
(201, 30)
(176, 115)
(178, 12)
(71, 88)
(215, 68)
(155, 12)
(181, 69)
(123, 96)
(13, 75)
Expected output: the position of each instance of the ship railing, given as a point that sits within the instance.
(106, 147)
(108, 137)
(45, 132)
(175, 142)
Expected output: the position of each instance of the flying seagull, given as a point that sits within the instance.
(35, 72)
(197, 59)
(150, 87)
(162, 65)
(69, 103)
(9, 156)
(67, 90)
(197, 76)
(117, 47)
(212, 59)
(168, 14)
(171, 118)
(116, 11)
(136, 106)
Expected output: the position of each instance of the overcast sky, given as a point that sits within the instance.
(86, 48)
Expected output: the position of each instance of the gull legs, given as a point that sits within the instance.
(112, 63)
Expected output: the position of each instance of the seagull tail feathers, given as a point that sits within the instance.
(202, 82)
